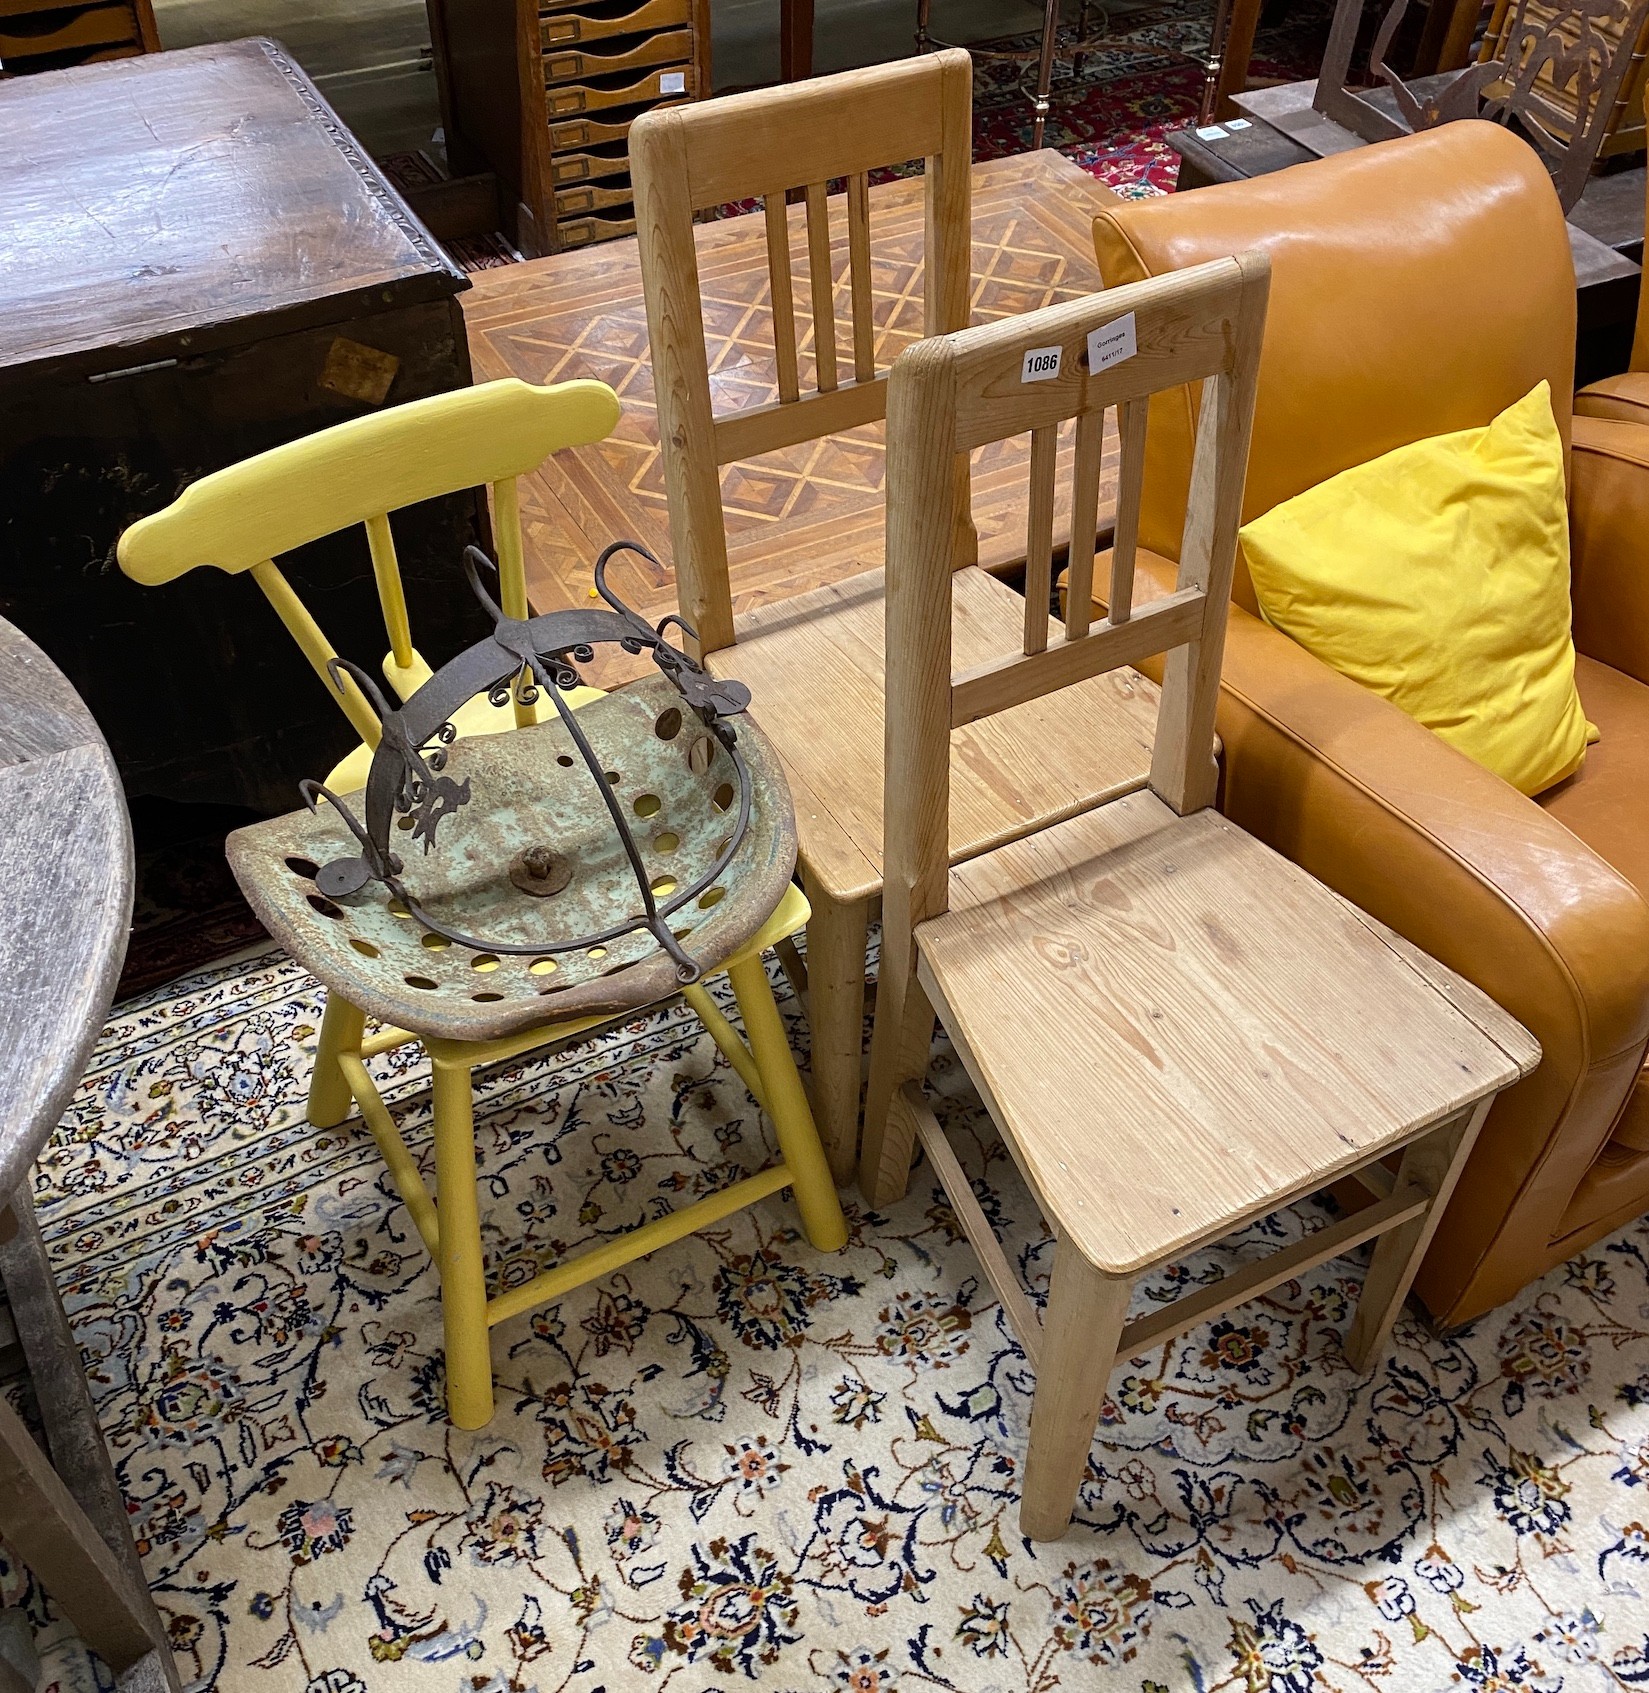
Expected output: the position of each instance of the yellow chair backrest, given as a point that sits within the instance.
(244, 517)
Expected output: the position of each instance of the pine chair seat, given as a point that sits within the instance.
(1201, 1032)
(828, 646)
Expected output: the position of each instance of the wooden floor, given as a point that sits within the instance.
(812, 514)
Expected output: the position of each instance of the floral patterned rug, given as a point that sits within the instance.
(739, 1464)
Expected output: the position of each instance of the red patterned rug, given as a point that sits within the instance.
(1114, 130)
(1113, 117)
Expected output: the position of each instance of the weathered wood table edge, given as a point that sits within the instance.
(200, 262)
(134, 342)
(66, 874)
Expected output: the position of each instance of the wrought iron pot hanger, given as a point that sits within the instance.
(522, 660)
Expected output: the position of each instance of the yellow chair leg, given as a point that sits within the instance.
(787, 1106)
(330, 1100)
(463, 1274)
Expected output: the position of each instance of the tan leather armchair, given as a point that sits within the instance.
(1422, 286)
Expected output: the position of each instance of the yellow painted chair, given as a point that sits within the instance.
(242, 519)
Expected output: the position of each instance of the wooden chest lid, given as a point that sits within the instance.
(180, 201)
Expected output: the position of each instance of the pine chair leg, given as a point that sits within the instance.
(1434, 1163)
(463, 1273)
(836, 936)
(787, 1105)
(330, 1100)
(899, 1051)
(1080, 1331)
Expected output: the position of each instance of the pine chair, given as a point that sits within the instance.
(1176, 1030)
(242, 519)
(828, 642)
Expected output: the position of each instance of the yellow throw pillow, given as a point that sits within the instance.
(1438, 576)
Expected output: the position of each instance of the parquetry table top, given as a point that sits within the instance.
(813, 513)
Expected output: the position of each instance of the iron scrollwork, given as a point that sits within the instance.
(522, 661)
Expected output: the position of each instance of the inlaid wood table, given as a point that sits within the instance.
(810, 515)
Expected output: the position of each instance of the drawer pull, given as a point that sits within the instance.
(586, 132)
(587, 167)
(569, 99)
(580, 232)
(593, 198)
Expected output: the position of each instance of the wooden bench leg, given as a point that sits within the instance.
(101, 1587)
(1234, 54)
(463, 1269)
(1080, 1330)
(836, 936)
(47, 1529)
(1433, 1164)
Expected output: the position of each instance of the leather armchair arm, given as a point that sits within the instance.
(1609, 542)
(1418, 835)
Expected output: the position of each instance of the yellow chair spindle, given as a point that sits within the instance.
(317, 649)
(462, 1262)
(391, 596)
(512, 567)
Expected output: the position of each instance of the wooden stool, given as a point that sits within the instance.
(827, 643)
(1176, 1030)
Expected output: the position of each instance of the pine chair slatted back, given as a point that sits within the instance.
(805, 135)
(956, 392)
(245, 517)
(950, 395)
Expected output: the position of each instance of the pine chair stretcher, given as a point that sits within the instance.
(1175, 1030)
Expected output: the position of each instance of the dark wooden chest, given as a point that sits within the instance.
(197, 263)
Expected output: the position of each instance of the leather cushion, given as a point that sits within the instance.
(1624, 398)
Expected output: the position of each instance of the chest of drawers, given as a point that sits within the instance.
(543, 93)
(46, 35)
